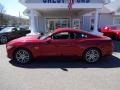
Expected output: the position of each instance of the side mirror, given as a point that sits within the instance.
(48, 40)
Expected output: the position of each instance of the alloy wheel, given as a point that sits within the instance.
(22, 56)
(92, 55)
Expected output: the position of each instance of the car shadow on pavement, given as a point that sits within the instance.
(116, 46)
(64, 64)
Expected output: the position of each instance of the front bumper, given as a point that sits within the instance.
(10, 52)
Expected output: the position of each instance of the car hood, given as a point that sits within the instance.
(28, 38)
(1, 31)
(25, 39)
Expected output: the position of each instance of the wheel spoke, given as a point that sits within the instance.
(18, 58)
(19, 53)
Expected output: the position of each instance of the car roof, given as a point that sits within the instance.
(73, 30)
(66, 29)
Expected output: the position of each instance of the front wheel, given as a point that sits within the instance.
(91, 55)
(3, 39)
(22, 56)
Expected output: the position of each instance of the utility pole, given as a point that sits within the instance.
(19, 19)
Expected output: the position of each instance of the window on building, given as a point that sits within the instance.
(82, 1)
(116, 20)
(76, 23)
(87, 1)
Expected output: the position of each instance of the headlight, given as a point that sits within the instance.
(9, 46)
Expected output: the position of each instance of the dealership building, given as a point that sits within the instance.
(87, 15)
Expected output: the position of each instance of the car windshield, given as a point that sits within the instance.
(7, 29)
(46, 35)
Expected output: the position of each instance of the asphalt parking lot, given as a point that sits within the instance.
(60, 74)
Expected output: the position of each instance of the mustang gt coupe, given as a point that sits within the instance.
(61, 42)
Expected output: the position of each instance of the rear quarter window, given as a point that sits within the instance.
(81, 35)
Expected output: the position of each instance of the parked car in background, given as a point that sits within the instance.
(61, 42)
(24, 26)
(10, 33)
(2, 27)
(112, 31)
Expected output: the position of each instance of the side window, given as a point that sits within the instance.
(72, 35)
(21, 29)
(61, 35)
(80, 35)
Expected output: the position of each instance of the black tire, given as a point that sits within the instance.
(22, 56)
(91, 55)
(3, 39)
(114, 37)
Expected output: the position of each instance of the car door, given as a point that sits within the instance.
(77, 43)
(23, 31)
(14, 33)
(46, 47)
(65, 44)
(60, 44)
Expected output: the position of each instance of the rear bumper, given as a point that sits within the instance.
(107, 50)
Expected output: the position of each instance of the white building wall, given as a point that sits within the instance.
(105, 19)
(41, 24)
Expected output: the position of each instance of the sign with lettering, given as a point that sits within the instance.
(53, 1)
(63, 1)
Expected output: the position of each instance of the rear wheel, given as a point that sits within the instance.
(22, 56)
(3, 39)
(91, 55)
(114, 37)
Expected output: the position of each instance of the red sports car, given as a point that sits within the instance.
(112, 31)
(61, 42)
